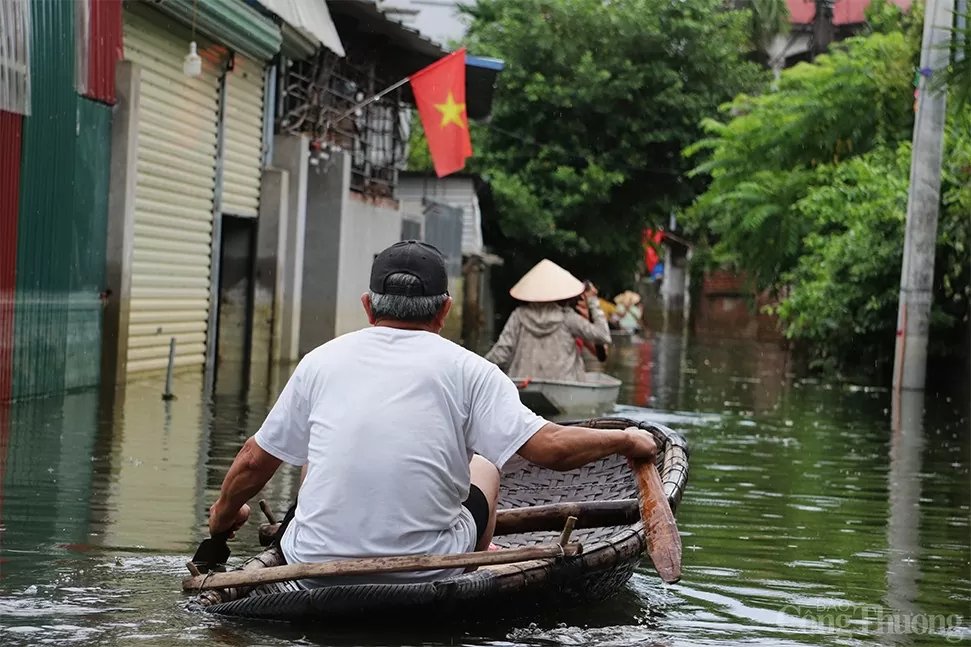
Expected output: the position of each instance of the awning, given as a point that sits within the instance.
(412, 51)
(310, 18)
(234, 24)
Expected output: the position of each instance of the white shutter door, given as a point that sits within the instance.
(177, 134)
(243, 152)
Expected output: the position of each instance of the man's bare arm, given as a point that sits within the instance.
(250, 471)
(565, 448)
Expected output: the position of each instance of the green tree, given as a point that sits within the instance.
(770, 18)
(592, 110)
(763, 161)
(809, 189)
(958, 74)
(844, 288)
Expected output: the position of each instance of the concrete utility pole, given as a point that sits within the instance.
(962, 18)
(917, 272)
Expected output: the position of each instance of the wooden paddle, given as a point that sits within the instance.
(663, 540)
(212, 553)
(598, 349)
(369, 566)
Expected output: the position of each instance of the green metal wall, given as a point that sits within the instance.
(62, 218)
(89, 233)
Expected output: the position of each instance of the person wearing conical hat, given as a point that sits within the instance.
(539, 338)
(629, 310)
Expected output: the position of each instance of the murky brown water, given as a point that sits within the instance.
(807, 519)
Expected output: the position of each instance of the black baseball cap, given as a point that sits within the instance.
(421, 260)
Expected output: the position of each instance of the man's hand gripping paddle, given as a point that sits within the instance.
(213, 553)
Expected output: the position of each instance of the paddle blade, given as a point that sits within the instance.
(212, 553)
(663, 540)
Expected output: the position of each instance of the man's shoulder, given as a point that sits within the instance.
(460, 352)
(326, 350)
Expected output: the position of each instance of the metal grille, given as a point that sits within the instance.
(318, 92)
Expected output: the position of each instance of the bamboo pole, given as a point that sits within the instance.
(369, 566)
(541, 518)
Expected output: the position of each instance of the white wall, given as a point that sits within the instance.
(366, 229)
(454, 191)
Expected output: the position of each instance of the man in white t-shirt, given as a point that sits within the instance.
(402, 433)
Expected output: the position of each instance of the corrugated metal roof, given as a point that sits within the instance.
(10, 138)
(234, 24)
(105, 49)
(310, 17)
(46, 222)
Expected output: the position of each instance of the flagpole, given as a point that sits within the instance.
(371, 100)
(397, 85)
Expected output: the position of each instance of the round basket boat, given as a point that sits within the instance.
(608, 558)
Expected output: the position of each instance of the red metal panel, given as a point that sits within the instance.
(801, 12)
(845, 12)
(11, 134)
(850, 12)
(105, 49)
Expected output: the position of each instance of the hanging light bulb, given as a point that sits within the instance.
(193, 62)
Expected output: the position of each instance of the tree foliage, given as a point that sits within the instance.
(770, 18)
(763, 161)
(845, 287)
(809, 189)
(592, 110)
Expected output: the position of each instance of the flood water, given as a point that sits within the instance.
(808, 519)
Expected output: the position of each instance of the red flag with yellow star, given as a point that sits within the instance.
(439, 91)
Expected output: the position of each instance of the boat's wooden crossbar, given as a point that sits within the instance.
(541, 518)
(370, 566)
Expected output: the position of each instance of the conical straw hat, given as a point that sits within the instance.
(546, 282)
(627, 298)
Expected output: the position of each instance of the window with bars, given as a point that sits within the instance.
(15, 56)
(319, 95)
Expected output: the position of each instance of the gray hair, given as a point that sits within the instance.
(405, 308)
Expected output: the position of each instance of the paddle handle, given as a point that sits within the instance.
(370, 566)
(663, 540)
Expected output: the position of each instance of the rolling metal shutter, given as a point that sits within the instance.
(177, 136)
(243, 152)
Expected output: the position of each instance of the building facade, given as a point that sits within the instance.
(155, 217)
(56, 99)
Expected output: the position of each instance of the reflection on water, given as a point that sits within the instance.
(816, 513)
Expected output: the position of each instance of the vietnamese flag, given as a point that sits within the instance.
(439, 91)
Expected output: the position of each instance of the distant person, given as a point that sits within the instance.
(629, 311)
(599, 351)
(539, 340)
(610, 312)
